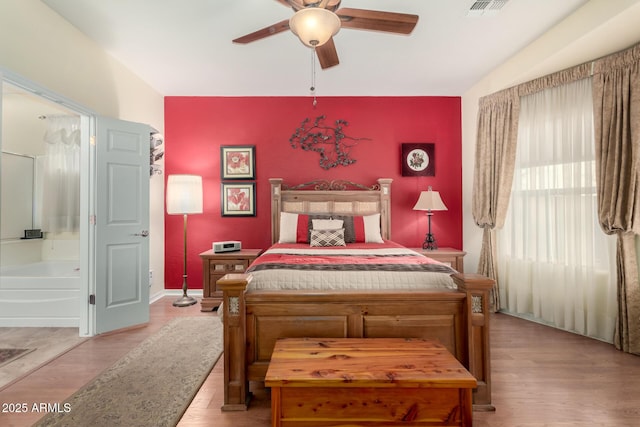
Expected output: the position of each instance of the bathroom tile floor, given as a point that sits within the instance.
(48, 343)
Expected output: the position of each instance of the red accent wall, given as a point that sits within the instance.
(196, 127)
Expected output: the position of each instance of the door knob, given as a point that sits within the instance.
(143, 233)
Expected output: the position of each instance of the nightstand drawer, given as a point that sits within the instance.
(228, 266)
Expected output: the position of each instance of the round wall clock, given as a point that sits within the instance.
(418, 159)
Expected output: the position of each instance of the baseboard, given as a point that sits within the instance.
(196, 293)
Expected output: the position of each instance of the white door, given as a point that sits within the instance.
(122, 224)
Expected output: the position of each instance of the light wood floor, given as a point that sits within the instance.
(541, 377)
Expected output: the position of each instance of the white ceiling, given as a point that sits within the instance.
(184, 48)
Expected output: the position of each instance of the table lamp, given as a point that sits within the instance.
(430, 201)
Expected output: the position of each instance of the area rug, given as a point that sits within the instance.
(153, 384)
(8, 355)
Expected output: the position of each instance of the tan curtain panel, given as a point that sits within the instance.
(616, 97)
(493, 174)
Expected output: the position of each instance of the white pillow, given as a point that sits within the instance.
(288, 227)
(327, 224)
(372, 232)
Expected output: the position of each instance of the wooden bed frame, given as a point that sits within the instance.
(254, 320)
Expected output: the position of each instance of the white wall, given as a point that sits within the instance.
(597, 29)
(39, 45)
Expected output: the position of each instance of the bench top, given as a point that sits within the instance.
(365, 362)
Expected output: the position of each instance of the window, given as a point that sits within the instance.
(553, 258)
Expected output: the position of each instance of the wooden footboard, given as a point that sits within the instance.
(254, 320)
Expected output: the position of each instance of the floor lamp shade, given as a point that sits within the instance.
(184, 194)
(429, 201)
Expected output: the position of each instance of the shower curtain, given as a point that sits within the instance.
(60, 199)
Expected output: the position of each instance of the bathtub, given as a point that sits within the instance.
(45, 293)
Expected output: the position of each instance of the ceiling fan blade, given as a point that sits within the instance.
(265, 32)
(327, 54)
(363, 19)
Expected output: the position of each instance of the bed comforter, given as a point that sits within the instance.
(356, 266)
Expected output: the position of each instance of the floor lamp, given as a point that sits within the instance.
(430, 201)
(184, 196)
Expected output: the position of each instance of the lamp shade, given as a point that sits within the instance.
(314, 26)
(184, 194)
(429, 201)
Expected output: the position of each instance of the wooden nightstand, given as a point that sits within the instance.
(216, 265)
(450, 256)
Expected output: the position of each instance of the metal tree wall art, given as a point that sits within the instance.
(330, 142)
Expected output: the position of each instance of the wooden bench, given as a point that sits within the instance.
(367, 381)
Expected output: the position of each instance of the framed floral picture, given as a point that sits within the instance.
(238, 199)
(238, 162)
(418, 159)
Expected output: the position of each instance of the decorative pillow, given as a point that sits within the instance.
(327, 237)
(362, 228)
(371, 225)
(294, 228)
(327, 224)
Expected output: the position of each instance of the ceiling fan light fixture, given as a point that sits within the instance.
(314, 26)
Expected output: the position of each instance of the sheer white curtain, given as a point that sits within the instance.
(60, 175)
(555, 264)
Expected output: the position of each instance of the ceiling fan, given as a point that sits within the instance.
(315, 22)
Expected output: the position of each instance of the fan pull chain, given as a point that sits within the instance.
(313, 76)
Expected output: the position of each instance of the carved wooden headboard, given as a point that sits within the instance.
(331, 197)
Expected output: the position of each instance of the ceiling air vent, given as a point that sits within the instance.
(486, 7)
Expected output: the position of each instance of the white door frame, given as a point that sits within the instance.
(87, 185)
